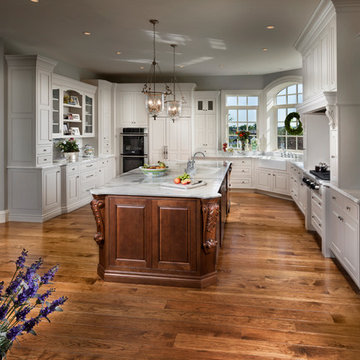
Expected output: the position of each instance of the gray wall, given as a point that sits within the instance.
(2, 129)
(240, 82)
(61, 68)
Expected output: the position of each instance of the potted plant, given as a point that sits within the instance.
(243, 137)
(22, 304)
(70, 148)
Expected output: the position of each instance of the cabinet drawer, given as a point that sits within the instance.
(88, 166)
(44, 159)
(346, 205)
(103, 163)
(316, 208)
(43, 150)
(316, 222)
(242, 162)
(88, 177)
(241, 183)
(72, 169)
(241, 172)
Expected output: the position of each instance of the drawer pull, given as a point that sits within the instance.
(340, 218)
(89, 165)
(348, 208)
(319, 225)
(73, 169)
(89, 176)
(319, 203)
(45, 159)
(333, 197)
(44, 150)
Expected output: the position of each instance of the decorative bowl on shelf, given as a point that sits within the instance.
(153, 172)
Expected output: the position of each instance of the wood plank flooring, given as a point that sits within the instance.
(276, 296)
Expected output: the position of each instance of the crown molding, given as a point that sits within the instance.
(344, 6)
(322, 16)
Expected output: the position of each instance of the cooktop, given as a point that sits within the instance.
(323, 175)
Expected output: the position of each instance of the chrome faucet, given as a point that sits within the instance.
(190, 167)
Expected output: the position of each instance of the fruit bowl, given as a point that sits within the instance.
(153, 172)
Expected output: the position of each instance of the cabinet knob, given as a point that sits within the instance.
(333, 156)
(348, 208)
(333, 197)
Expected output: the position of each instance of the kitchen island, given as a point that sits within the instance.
(153, 234)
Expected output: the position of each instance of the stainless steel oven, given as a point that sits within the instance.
(134, 148)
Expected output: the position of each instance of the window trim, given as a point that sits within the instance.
(224, 108)
(286, 106)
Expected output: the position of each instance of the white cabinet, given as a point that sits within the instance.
(29, 109)
(130, 106)
(105, 106)
(242, 173)
(317, 44)
(276, 181)
(73, 108)
(51, 189)
(169, 140)
(334, 156)
(344, 232)
(206, 121)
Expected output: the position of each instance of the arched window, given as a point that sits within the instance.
(286, 102)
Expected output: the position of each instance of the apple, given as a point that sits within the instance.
(177, 180)
(186, 181)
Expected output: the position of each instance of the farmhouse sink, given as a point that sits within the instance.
(277, 164)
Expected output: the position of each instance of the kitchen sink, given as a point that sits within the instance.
(277, 164)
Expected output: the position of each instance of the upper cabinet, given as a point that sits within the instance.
(130, 106)
(317, 45)
(30, 112)
(73, 108)
(206, 120)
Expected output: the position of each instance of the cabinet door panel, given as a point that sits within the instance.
(336, 233)
(211, 132)
(351, 246)
(129, 239)
(173, 235)
(51, 189)
(72, 189)
(263, 180)
(280, 183)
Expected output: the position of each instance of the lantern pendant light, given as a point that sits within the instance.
(173, 107)
(155, 100)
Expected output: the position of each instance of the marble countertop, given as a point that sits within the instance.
(135, 183)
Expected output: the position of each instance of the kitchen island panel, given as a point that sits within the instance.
(174, 234)
(129, 239)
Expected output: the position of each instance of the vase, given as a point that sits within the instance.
(71, 156)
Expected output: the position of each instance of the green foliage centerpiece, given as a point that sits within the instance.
(22, 298)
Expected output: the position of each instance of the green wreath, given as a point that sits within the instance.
(293, 130)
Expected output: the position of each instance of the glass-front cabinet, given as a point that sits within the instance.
(73, 113)
(88, 126)
(57, 124)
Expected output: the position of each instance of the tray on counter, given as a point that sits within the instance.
(183, 187)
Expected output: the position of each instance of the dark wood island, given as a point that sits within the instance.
(151, 234)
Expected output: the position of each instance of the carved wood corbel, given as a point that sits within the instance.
(331, 115)
(98, 209)
(210, 214)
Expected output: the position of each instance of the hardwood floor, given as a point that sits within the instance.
(276, 296)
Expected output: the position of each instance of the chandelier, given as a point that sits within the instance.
(173, 107)
(155, 100)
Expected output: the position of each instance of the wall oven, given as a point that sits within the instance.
(134, 148)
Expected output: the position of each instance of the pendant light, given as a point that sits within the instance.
(155, 100)
(173, 107)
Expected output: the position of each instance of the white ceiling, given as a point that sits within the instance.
(215, 37)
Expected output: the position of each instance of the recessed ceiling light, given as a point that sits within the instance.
(87, 33)
(142, 68)
(118, 53)
(221, 66)
(265, 49)
(34, 1)
(181, 66)
(270, 27)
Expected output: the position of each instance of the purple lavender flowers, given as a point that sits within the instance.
(21, 298)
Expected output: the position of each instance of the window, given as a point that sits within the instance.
(242, 114)
(286, 102)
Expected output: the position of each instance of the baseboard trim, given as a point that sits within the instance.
(4, 216)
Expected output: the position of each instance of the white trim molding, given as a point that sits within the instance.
(4, 216)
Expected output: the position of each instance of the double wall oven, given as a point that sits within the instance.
(134, 148)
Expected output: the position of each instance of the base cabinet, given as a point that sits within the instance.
(273, 181)
(344, 233)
